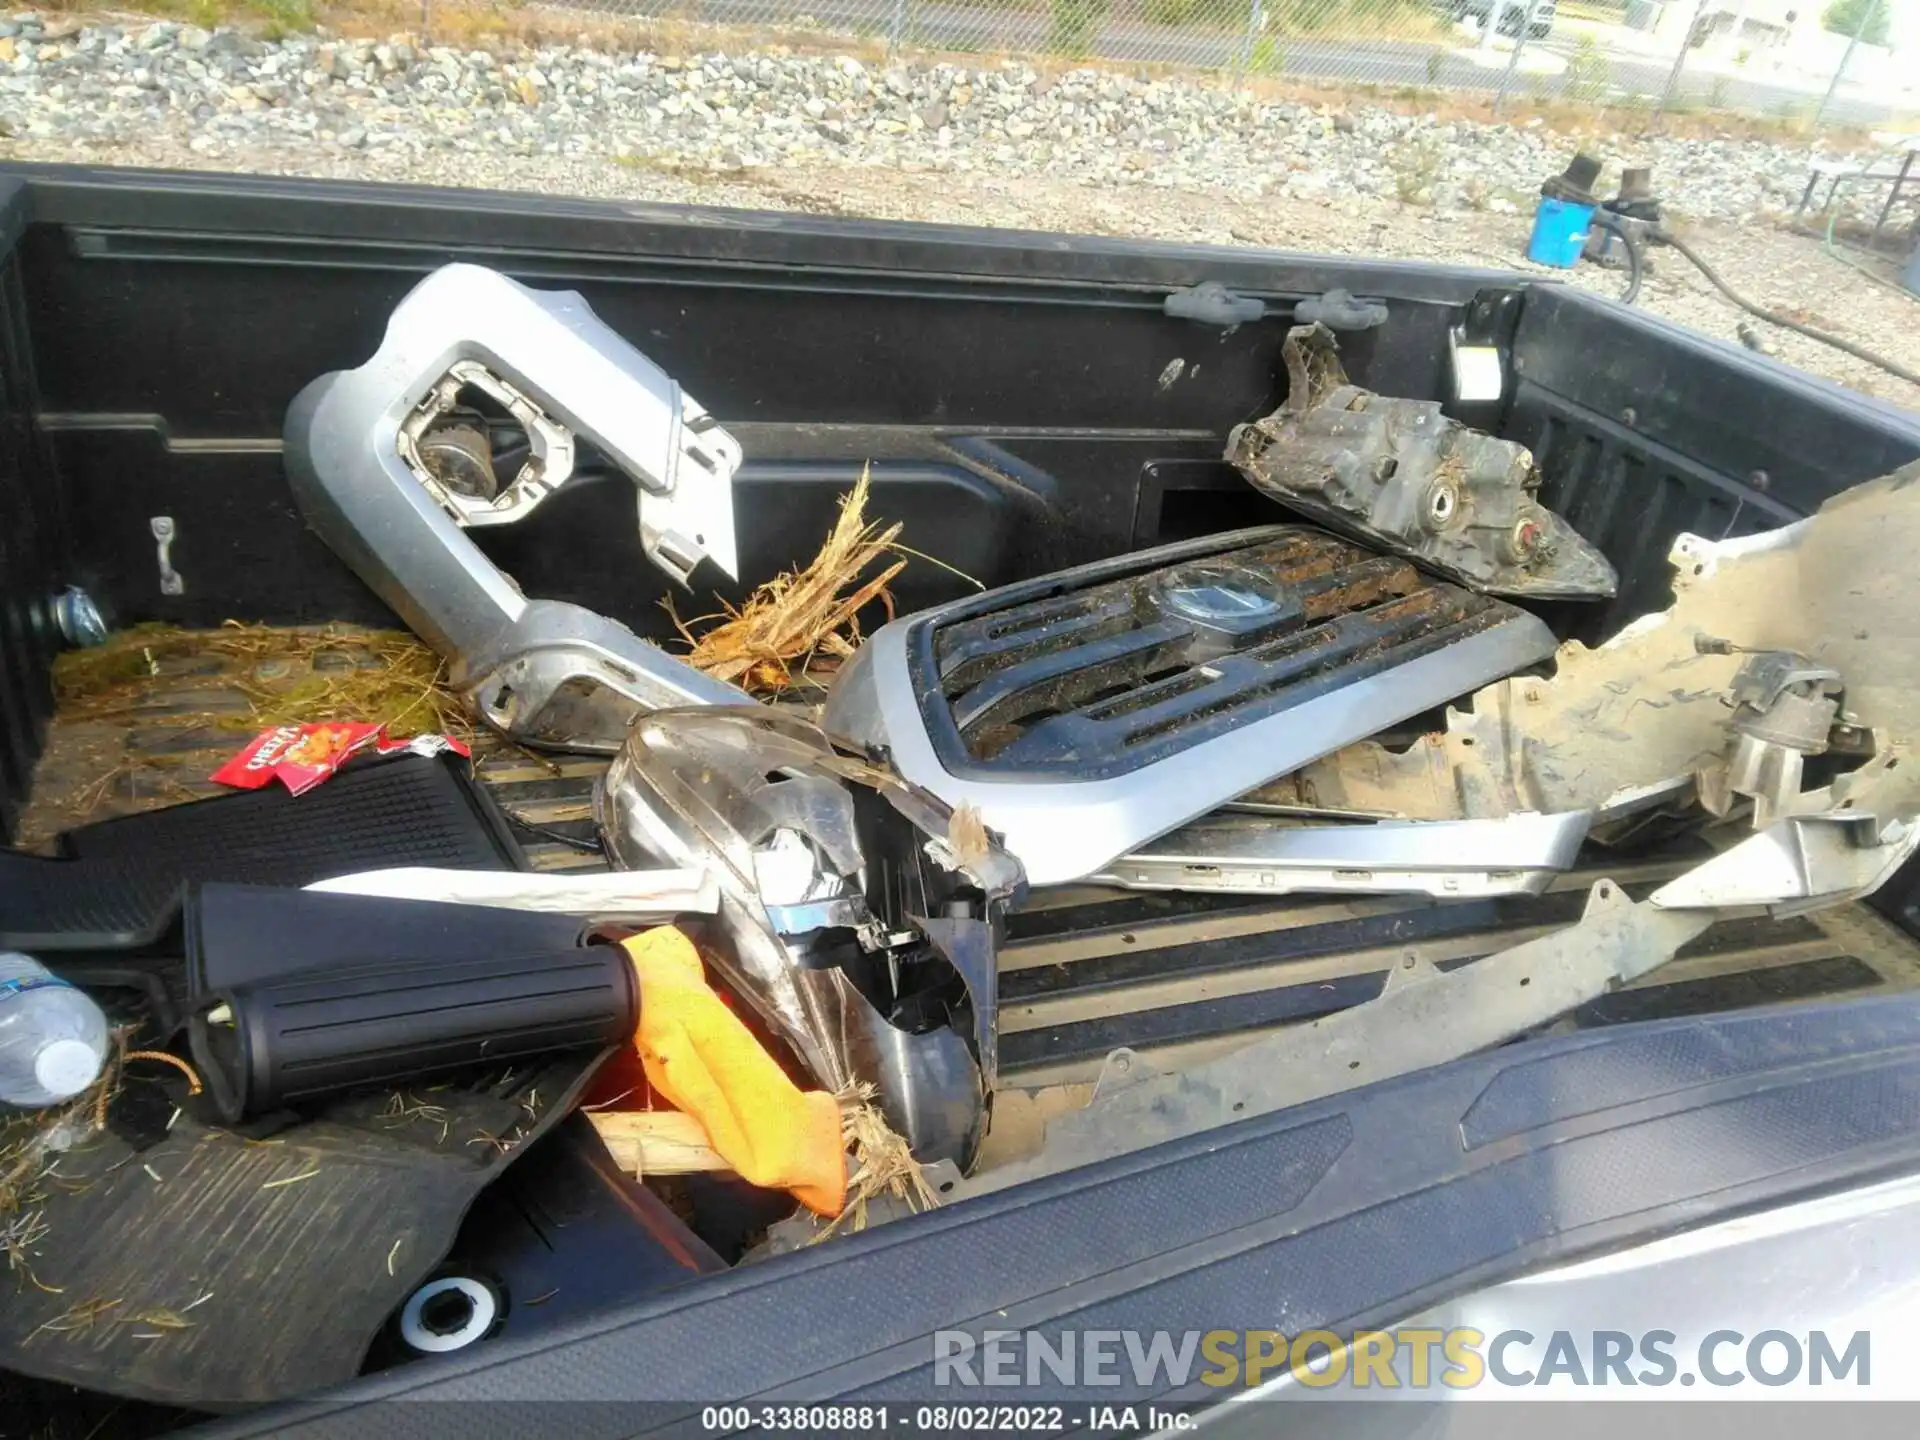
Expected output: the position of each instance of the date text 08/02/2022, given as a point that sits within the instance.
(944, 1419)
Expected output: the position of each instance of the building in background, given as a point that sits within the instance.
(1733, 29)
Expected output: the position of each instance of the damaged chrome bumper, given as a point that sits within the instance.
(391, 464)
(859, 921)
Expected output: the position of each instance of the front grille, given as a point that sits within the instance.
(1112, 674)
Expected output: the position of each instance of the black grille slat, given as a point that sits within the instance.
(982, 661)
(1158, 659)
(1064, 679)
(1281, 692)
(1327, 645)
(969, 650)
(1381, 575)
(1247, 691)
(970, 653)
(1389, 623)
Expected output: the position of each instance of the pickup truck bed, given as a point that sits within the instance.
(1017, 400)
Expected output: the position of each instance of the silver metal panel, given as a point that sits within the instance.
(1517, 855)
(542, 671)
(1833, 1264)
(1062, 830)
(1798, 864)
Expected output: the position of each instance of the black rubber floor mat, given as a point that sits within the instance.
(122, 881)
(565, 1234)
(210, 1270)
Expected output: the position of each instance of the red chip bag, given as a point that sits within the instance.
(301, 756)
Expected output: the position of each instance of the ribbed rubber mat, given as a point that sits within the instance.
(122, 880)
(244, 1271)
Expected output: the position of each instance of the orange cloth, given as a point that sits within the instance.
(699, 1056)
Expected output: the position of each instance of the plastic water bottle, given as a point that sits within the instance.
(53, 1039)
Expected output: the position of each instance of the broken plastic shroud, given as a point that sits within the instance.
(1402, 474)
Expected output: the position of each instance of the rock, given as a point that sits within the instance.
(178, 83)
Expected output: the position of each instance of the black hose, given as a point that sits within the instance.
(1859, 352)
(1607, 220)
(585, 847)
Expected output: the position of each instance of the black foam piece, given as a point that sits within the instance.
(249, 934)
(323, 1032)
(120, 883)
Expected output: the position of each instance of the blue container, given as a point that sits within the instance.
(1559, 233)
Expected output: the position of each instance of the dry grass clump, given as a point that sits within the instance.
(32, 1143)
(766, 645)
(878, 1162)
(286, 675)
(655, 1143)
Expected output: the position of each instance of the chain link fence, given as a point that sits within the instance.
(1786, 59)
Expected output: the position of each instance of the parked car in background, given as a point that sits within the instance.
(1538, 17)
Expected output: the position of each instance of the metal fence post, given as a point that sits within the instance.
(1513, 60)
(1255, 18)
(1867, 12)
(1679, 62)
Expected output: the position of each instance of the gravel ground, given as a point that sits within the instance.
(1091, 151)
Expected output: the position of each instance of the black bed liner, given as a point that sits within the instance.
(1506, 1163)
